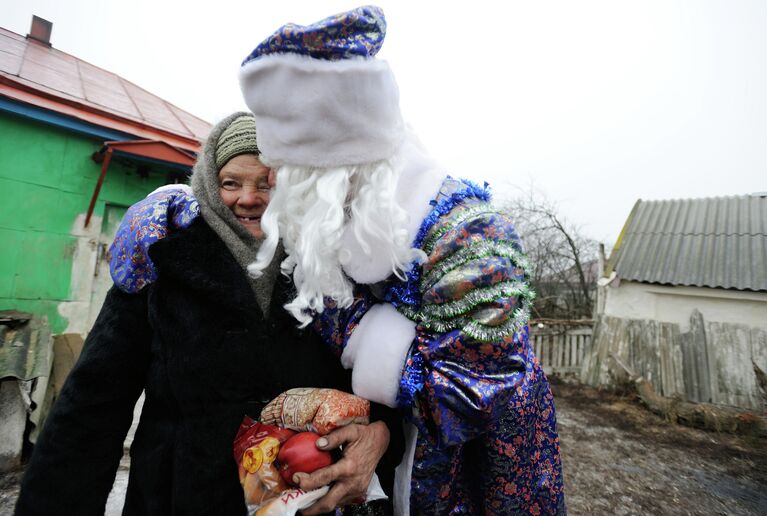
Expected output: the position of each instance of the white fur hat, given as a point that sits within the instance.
(320, 97)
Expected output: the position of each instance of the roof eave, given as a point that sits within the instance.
(23, 93)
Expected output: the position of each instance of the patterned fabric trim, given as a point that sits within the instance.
(146, 222)
(408, 292)
(464, 189)
(475, 297)
(356, 33)
(506, 249)
(479, 331)
(454, 221)
(336, 325)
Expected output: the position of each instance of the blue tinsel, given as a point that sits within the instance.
(412, 381)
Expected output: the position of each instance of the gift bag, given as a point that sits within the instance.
(270, 451)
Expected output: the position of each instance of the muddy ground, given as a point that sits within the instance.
(621, 459)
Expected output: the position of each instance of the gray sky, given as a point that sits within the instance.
(595, 103)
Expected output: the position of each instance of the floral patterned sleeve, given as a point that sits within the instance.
(168, 208)
(336, 325)
(469, 360)
(471, 354)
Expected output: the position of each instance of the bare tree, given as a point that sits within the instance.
(563, 260)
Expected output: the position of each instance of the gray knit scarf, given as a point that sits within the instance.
(240, 242)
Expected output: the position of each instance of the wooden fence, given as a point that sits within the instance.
(708, 362)
(561, 345)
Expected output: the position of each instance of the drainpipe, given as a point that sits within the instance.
(104, 167)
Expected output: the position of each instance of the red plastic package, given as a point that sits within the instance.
(255, 449)
(265, 473)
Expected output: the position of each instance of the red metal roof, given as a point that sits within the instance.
(43, 76)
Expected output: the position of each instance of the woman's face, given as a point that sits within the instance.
(244, 184)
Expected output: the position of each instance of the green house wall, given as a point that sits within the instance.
(47, 178)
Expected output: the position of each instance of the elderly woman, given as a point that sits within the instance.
(204, 341)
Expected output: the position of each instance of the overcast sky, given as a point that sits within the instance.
(595, 103)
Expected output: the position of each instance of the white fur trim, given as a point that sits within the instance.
(419, 182)
(376, 353)
(321, 113)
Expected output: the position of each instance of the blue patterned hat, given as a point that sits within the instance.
(356, 33)
(320, 96)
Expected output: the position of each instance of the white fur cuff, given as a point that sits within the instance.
(376, 353)
(320, 113)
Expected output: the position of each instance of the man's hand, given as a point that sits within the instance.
(363, 447)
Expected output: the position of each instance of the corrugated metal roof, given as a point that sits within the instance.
(54, 73)
(713, 242)
(26, 347)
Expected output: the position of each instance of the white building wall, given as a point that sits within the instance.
(632, 300)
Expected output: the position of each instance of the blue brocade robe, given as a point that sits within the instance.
(471, 384)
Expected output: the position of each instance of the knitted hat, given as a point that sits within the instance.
(238, 138)
(320, 97)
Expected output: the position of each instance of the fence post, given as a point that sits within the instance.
(561, 345)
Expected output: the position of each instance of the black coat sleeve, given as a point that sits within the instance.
(77, 454)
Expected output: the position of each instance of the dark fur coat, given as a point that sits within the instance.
(196, 341)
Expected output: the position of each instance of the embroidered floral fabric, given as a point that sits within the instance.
(356, 33)
(336, 325)
(146, 222)
(513, 467)
(471, 384)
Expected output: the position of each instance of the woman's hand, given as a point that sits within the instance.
(363, 447)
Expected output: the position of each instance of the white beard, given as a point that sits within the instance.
(419, 181)
(388, 202)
